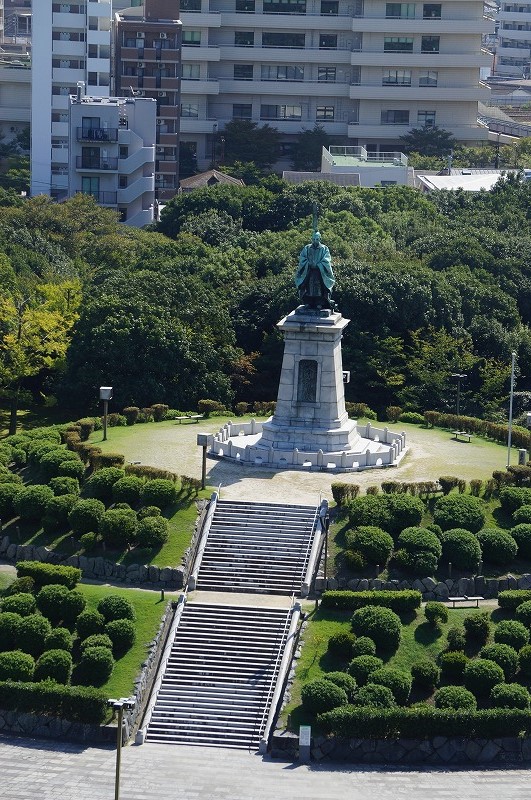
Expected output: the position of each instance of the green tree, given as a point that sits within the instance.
(248, 141)
(428, 141)
(308, 148)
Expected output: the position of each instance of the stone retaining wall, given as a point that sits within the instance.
(439, 751)
(432, 589)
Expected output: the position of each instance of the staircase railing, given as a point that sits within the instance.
(201, 544)
(282, 664)
(316, 543)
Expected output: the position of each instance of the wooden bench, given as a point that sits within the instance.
(462, 435)
(472, 599)
(189, 418)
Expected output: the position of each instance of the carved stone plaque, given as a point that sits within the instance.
(307, 382)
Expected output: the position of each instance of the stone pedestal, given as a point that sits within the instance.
(310, 413)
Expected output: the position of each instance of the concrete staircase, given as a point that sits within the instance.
(257, 547)
(219, 679)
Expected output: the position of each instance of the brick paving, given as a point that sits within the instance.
(38, 770)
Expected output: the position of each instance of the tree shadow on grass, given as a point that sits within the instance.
(426, 633)
(502, 518)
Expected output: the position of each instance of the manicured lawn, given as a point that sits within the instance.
(6, 578)
(149, 609)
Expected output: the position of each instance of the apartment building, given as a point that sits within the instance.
(73, 45)
(513, 53)
(148, 64)
(112, 154)
(366, 70)
(15, 92)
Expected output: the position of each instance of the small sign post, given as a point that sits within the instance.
(305, 738)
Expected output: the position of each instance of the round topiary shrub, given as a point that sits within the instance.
(23, 585)
(481, 675)
(64, 485)
(459, 511)
(128, 490)
(116, 607)
(361, 668)
(71, 469)
(152, 532)
(404, 511)
(32, 634)
(95, 666)
(89, 622)
(100, 483)
(497, 546)
(477, 626)
(461, 548)
(30, 502)
(511, 632)
(369, 510)
(149, 511)
(524, 660)
(59, 639)
(354, 560)
(435, 613)
(512, 497)
(381, 625)
(16, 666)
(122, 634)
(86, 516)
(57, 511)
(341, 645)
(8, 495)
(374, 696)
(55, 665)
(425, 673)
(522, 515)
(455, 698)
(9, 626)
(50, 601)
(118, 527)
(363, 646)
(504, 655)
(510, 695)
(374, 544)
(159, 492)
(422, 563)
(416, 539)
(73, 604)
(96, 640)
(453, 663)
(22, 603)
(322, 695)
(522, 536)
(344, 681)
(523, 613)
(399, 682)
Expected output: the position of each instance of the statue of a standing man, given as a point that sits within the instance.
(314, 278)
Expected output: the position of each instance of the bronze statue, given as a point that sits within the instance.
(314, 278)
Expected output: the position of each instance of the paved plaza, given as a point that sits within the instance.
(40, 770)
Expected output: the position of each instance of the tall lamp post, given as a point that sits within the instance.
(119, 705)
(324, 518)
(105, 395)
(511, 396)
(459, 376)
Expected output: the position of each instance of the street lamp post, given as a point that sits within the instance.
(324, 518)
(459, 377)
(105, 395)
(118, 706)
(511, 396)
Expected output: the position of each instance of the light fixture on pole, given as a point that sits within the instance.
(118, 706)
(511, 396)
(459, 377)
(105, 395)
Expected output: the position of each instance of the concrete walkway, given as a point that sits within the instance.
(49, 771)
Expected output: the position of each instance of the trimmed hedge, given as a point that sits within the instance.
(44, 574)
(59, 639)
(512, 598)
(523, 613)
(363, 646)
(31, 502)
(455, 697)
(459, 510)
(380, 624)
(522, 535)
(461, 547)
(118, 527)
(497, 546)
(435, 612)
(152, 532)
(341, 645)
(394, 679)
(73, 703)
(55, 665)
(86, 516)
(22, 603)
(400, 601)
(453, 664)
(159, 492)
(512, 497)
(344, 681)
(16, 666)
(89, 622)
(122, 633)
(524, 660)
(95, 666)
(9, 624)
(322, 695)
(477, 626)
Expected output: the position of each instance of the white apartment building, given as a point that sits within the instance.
(366, 70)
(15, 93)
(72, 43)
(513, 53)
(112, 154)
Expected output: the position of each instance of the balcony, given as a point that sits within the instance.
(97, 135)
(201, 86)
(293, 22)
(522, 53)
(199, 19)
(457, 60)
(102, 198)
(423, 26)
(287, 55)
(516, 36)
(202, 53)
(367, 130)
(96, 164)
(197, 125)
(413, 93)
(285, 88)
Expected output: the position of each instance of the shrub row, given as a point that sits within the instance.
(399, 601)
(73, 703)
(481, 427)
(44, 574)
(512, 598)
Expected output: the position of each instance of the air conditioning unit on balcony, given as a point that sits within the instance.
(140, 35)
(163, 35)
(160, 122)
(163, 94)
(140, 93)
(141, 65)
(160, 150)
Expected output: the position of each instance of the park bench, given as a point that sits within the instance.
(462, 435)
(469, 599)
(189, 418)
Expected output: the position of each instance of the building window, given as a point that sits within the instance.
(395, 117)
(278, 72)
(328, 41)
(400, 10)
(284, 6)
(426, 119)
(245, 5)
(191, 72)
(243, 39)
(428, 78)
(283, 40)
(122, 181)
(396, 77)
(280, 112)
(243, 72)
(192, 38)
(388, 183)
(324, 114)
(190, 5)
(242, 111)
(431, 11)
(398, 44)
(124, 151)
(326, 74)
(190, 110)
(430, 44)
(90, 186)
(329, 8)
